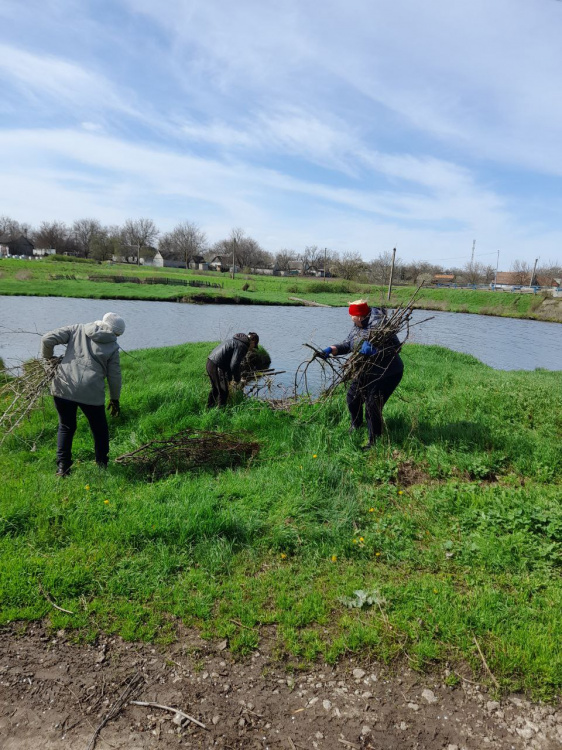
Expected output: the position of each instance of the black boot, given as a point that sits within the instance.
(63, 470)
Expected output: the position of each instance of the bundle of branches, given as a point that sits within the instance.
(20, 394)
(364, 368)
(188, 450)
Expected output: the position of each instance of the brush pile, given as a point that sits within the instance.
(21, 394)
(189, 450)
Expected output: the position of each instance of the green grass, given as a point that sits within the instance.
(34, 278)
(455, 522)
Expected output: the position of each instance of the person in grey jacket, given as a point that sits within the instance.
(223, 365)
(381, 375)
(91, 358)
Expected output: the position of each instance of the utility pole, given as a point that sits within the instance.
(496, 276)
(325, 254)
(138, 253)
(233, 257)
(472, 258)
(534, 269)
(391, 274)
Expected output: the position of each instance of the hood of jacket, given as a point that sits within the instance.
(99, 332)
(243, 338)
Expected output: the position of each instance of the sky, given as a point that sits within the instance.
(357, 125)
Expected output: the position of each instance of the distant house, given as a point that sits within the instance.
(221, 263)
(196, 262)
(510, 279)
(443, 278)
(40, 252)
(296, 268)
(17, 245)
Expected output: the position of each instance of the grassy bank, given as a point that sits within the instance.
(44, 278)
(454, 525)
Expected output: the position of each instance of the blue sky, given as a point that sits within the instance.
(359, 125)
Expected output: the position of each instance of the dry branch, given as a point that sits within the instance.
(133, 686)
(181, 714)
(21, 394)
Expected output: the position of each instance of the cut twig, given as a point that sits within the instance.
(51, 602)
(175, 711)
(134, 684)
(485, 663)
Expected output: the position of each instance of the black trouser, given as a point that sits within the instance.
(219, 385)
(373, 391)
(67, 427)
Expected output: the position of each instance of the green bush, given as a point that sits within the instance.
(70, 259)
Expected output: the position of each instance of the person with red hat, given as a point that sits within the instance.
(379, 379)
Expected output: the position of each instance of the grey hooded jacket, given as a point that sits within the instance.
(92, 355)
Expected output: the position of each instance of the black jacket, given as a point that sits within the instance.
(228, 356)
(387, 360)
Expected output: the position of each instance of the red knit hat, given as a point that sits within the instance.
(359, 308)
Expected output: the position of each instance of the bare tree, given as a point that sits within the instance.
(312, 255)
(522, 271)
(474, 272)
(52, 234)
(84, 231)
(184, 242)
(283, 258)
(107, 243)
(379, 268)
(139, 233)
(349, 266)
(246, 252)
(10, 227)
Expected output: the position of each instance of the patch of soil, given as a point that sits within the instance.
(409, 473)
(55, 694)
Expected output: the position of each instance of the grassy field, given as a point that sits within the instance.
(43, 278)
(453, 525)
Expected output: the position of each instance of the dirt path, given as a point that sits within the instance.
(54, 694)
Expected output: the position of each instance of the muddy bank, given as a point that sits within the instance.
(55, 694)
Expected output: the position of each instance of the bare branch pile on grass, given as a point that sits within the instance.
(21, 394)
(188, 450)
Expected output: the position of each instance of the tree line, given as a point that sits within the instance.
(89, 238)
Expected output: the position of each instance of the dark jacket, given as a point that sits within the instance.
(91, 357)
(229, 355)
(387, 360)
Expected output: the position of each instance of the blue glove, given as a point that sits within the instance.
(368, 349)
(325, 353)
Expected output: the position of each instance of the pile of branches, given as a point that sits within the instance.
(337, 370)
(21, 394)
(188, 450)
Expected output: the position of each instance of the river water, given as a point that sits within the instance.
(502, 343)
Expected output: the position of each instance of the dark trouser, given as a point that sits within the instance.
(374, 392)
(67, 427)
(219, 385)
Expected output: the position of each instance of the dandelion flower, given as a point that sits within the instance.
(355, 541)
(361, 539)
(371, 510)
(377, 554)
(434, 591)
(87, 487)
(283, 556)
(106, 502)
(334, 558)
(314, 456)
(400, 492)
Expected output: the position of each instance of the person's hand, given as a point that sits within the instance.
(325, 353)
(113, 407)
(368, 349)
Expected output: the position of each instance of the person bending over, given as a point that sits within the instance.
(223, 365)
(91, 358)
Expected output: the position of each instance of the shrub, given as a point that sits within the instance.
(69, 259)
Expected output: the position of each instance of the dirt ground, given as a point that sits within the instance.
(55, 694)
